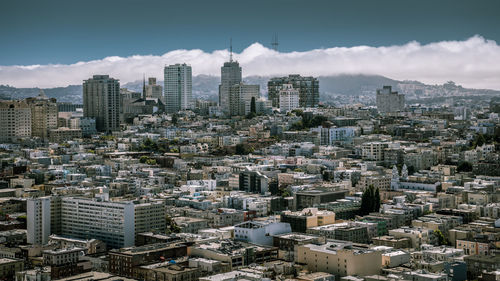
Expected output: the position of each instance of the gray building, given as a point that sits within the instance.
(308, 88)
(101, 100)
(230, 76)
(152, 90)
(240, 98)
(178, 87)
(389, 101)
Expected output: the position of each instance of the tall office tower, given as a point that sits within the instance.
(230, 76)
(240, 98)
(289, 98)
(38, 214)
(154, 91)
(178, 82)
(15, 120)
(389, 101)
(101, 100)
(308, 88)
(114, 222)
(44, 115)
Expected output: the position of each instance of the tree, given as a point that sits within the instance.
(240, 149)
(464, 167)
(143, 159)
(174, 119)
(376, 206)
(370, 201)
(441, 240)
(298, 112)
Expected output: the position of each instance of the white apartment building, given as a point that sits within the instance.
(38, 220)
(289, 98)
(115, 223)
(178, 87)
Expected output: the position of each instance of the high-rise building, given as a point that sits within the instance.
(178, 87)
(308, 88)
(38, 220)
(15, 120)
(153, 91)
(289, 98)
(389, 101)
(101, 100)
(240, 98)
(44, 114)
(230, 76)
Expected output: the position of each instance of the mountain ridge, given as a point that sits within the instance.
(206, 87)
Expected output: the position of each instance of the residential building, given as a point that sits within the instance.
(152, 90)
(240, 98)
(235, 253)
(307, 218)
(260, 232)
(63, 134)
(43, 115)
(178, 87)
(15, 120)
(38, 220)
(253, 182)
(315, 197)
(341, 259)
(289, 98)
(308, 88)
(124, 261)
(115, 223)
(9, 268)
(101, 100)
(389, 101)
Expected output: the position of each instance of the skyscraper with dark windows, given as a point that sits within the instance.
(101, 100)
(308, 88)
(230, 76)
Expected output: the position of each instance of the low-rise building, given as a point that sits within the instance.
(339, 258)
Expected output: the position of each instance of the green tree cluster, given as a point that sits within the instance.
(464, 167)
(370, 200)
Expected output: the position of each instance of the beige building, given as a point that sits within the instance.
(473, 247)
(15, 120)
(307, 218)
(44, 115)
(9, 267)
(64, 134)
(373, 151)
(341, 259)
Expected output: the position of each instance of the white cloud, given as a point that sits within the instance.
(474, 62)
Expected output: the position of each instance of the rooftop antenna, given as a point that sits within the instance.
(231, 49)
(274, 42)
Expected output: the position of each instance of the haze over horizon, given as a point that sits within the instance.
(468, 63)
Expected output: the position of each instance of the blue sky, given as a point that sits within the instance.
(68, 31)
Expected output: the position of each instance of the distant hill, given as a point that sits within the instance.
(72, 93)
(207, 87)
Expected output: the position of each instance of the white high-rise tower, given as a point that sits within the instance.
(178, 87)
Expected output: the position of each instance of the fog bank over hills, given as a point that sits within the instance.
(206, 87)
